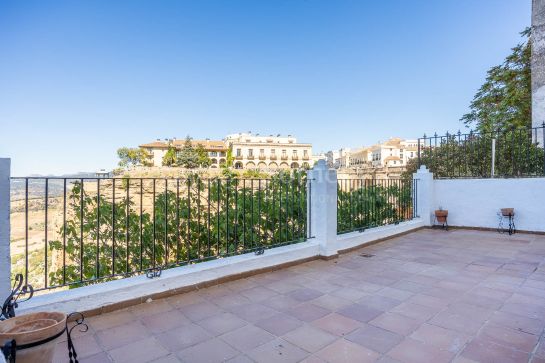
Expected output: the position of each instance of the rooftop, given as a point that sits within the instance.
(427, 296)
(179, 143)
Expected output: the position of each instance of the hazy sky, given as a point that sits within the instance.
(78, 79)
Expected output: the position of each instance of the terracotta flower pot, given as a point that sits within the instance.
(441, 215)
(506, 212)
(31, 328)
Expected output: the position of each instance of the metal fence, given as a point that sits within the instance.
(511, 153)
(367, 203)
(78, 231)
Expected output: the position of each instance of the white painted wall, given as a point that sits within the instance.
(476, 202)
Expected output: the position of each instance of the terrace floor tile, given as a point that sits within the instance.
(337, 324)
(413, 351)
(209, 351)
(279, 324)
(277, 350)
(183, 337)
(343, 351)
(309, 338)
(359, 312)
(143, 350)
(375, 338)
(221, 323)
(246, 338)
(396, 323)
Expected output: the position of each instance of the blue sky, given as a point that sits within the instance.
(78, 79)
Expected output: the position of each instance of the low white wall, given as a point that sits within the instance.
(476, 202)
(360, 239)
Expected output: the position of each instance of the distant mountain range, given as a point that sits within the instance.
(36, 187)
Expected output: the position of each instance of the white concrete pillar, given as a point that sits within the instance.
(5, 261)
(538, 66)
(323, 207)
(424, 194)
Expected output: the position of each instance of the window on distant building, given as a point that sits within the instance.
(305, 152)
(250, 152)
(294, 152)
(273, 151)
(213, 153)
(239, 152)
(262, 151)
(284, 152)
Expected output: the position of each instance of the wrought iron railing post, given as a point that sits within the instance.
(419, 160)
(493, 162)
(543, 144)
(5, 260)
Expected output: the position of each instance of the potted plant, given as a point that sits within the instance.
(508, 212)
(36, 335)
(441, 215)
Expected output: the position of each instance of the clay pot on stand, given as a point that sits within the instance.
(508, 212)
(441, 216)
(45, 327)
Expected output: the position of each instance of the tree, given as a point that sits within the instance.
(504, 101)
(229, 157)
(202, 156)
(170, 157)
(133, 156)
(188, 157)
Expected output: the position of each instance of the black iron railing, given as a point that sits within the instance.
(516, 152)
(368, 203)
(71, 232)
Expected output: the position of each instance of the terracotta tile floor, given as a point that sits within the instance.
(429, 296)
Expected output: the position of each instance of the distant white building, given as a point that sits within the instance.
(394, 152)
(217, 151)
(338, 158)
(248, 150)
(268, 152)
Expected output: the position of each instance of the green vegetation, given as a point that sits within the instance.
(373, 203)
(170, 157)
(133, 156)
(188, 157)
(211, 218)
(457, 156)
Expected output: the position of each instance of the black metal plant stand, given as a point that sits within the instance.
(508, 219)
(442, 225)
(10, 348)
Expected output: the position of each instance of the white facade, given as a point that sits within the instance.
(394, 152)
(268, 152)
(361, 157)
(339, 158)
